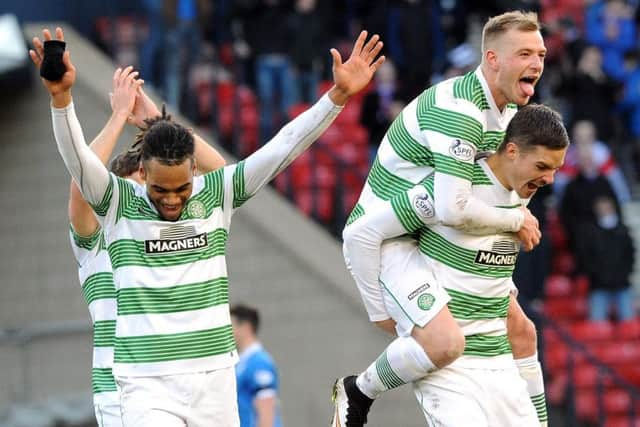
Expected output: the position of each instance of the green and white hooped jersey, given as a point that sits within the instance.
(96, 278)
(475, 270)
(171, 277)
(442, 130)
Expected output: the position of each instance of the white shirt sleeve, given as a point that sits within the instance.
(83, 164)
(458, 208)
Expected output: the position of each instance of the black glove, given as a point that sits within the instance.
(52, 67)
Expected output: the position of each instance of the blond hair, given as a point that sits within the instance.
(500, 24)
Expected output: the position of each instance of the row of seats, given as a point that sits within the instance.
(597, 394)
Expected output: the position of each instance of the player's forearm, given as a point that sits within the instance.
(265, 411)
(207, 158)
(457, 207)
(293, 139)
(81, 216)
(105, 142)
(83, 165)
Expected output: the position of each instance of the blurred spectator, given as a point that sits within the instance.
(460, 60)
(151, 61)
(265, 29)
(412, 35)
(629, 106)
(606, 256)
(591, 93)
(610, 25)
(308, 26)
(184, 20)
(598, 155)
(576, 205)
(256, 373)
(381, 106)
(564, 27)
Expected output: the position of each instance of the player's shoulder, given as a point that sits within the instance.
(461, 96)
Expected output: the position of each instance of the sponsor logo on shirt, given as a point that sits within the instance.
(423, 206)
(462, 150)
(503, 253)
(175, 245)
(415, 293)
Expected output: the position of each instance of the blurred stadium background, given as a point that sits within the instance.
(285, 255)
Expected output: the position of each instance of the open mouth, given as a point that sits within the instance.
(527, 84)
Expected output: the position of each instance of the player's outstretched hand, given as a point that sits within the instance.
(125, 90)
(356, 72)
(60, 89)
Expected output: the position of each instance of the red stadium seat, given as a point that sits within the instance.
(556, 388)
(557, 285)
(556, 357)
(350, 114)
(225, 91)
(588, 331)
(628, 330)
(616, 353)
(563, 263)
(566, 308)
(622, 421)
(356, 134)
(630, 373)
(316, 202)
(581, 286)
(586, 375)
(246, 97)
(551, 337)
(587, 405)
(615, 402)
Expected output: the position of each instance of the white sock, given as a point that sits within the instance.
(531, 372)
(403, 361)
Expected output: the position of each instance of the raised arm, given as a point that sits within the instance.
(85, 167)
(349, 77)
(125, 85)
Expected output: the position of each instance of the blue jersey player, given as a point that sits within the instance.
(256, 373)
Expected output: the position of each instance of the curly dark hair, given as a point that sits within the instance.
(164, 140)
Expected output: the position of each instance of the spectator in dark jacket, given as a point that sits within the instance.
(576, 205)
(606, 256)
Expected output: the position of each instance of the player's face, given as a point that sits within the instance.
(168, 187)
(535, 168)
(519, 65)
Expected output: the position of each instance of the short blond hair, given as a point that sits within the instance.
(500, 24)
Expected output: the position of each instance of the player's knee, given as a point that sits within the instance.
(452, 348)
(444, 348)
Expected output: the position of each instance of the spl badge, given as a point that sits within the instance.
(423, 206)
(425, 301)
(462, 150)
(196, 209)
